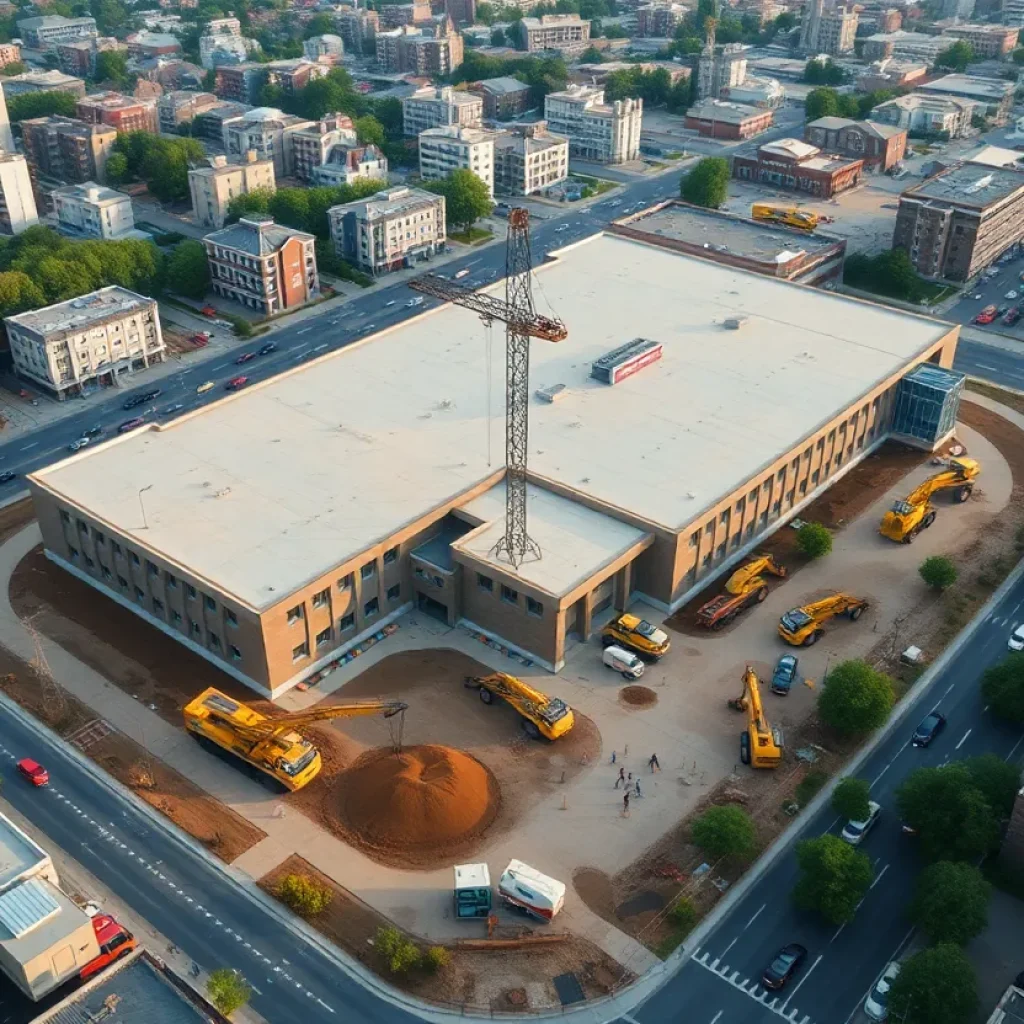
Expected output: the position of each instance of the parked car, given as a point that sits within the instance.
(932, 725)
(629, 665)
(172, 409)
(1011, 316)
(236, 383)
(459, 274)
(33, 771)
(80, 442)
(208, 311)
(986, 316)
(1011, 294)
(7, 476)
(131, 403)
(784, 674)
(271, 346)
(207, 385)
(876, 1006)
(131, 424)
(93, 431)
(245, 357)
(855, 831)
(200, 339)
(1016, 641)
(417, 301)
(784, 966)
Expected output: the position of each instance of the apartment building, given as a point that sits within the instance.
(66, 149)
(829, 30)
(17, 202)
(720, 68)
(217, 51)
(431, 50)
(93, 211)
(452, 148)
(394, 228)
(94, 338)
(607, 133)
(262, 265)
(416, 13)
(122, 113)
(503, 98)
(992, 96)
(224, 27)
(891, 74)
(209, 125)
(461, 12)
(567, 33)
(945, 117)
(182, 107)
(145, 44)
(799, 167)
(78, 57)
(659, 20)
(432, 107)
(312, 145)
(528, 158)
(880, 146)
(989, 42)
(212, 187)
(326, 48)
(267, 132)
(348, 164)
(358, 28)
(10, 53)
(43, 81)
(46, 32)
(912, 46)
(242, 83)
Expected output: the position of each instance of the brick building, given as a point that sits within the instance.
(142, 45)
(989, 42)
(503, 98)
(431, 50)
(66, 149)
(795, 165)
(122, 113)
(182, 107)
(659, 20)
(721, 120)
(880, 146)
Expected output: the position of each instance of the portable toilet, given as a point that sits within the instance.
(472, 891)
(528, 889)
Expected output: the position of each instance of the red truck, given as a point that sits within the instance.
(115, 941)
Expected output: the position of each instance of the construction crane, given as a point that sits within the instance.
(761, 745)
(802, 626)
(541, 715)
(271, 746)
(914, 513)
(521, 324)
(746, 586)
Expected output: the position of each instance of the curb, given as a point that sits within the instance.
(992, 384)
(14, 499)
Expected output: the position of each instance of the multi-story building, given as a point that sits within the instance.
(182, 107)
(10, 53)
(659, 20)
(312, 145)
(347, 164)
(567, 33)
(799, 167)
(607, 133)
(1013, 13)
(325, 48)
(43, 81)
(829, 30)
(720, 68)
(891, 74)
(416, 13)
(96, 337)
(956, 223)
(170, 73)
(242, 83)
(214, 186)
(918, 114)
(962, 9)
(122, 113)
(528, 158)
(17, 202)
(504, 98)
(46, 32)
(880, 146)
(764, 93)
(209, 125)
(989, 42)
(992, 96)
(461, 12)
(262, 265)
(432, 107)
(451, 148)
(145, 44)
(912, 46)
(93, 211)
(78, 57)
(67, 150)
(267, 132)
(219, 50)
(358, 28)
(721, 119)
(394, 228)
(432, 50)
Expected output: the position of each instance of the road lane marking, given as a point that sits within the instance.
(754, 918)
(985, 366)
(305, 330)
(890, 764)
(731, 944)
(717, 1016)
(798, 984)
(731, 977)
(894, 956)
(1015, 746)
(963, 739)
(34, 444)
(878, 877)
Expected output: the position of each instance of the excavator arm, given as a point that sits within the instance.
(748, 577)
(766, 742)
(271, 728)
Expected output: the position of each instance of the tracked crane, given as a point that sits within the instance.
(914, 513)
(746, 586)
(271, 745)
(521, 324)
(761, 745)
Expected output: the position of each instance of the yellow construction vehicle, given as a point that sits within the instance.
(638, 635)
(270, 746)
(761, 745)
(541, 715)
(802, 627)
(806, 220)
(914, 513)
(746, 586)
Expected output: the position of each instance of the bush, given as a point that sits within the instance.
(855, 698)
(707, 184)
(304, 895)
(228, 990)
(938, 572)
(951, 904)
(400, 954)
(683, 914)
(242, 327)
(435, 958)
(814, 540)
(726, 831)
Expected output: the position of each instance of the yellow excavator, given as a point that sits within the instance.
(746, 586)
(271, 746)
(761, 745)
(541, 715)
(803, 626)
(914, 513)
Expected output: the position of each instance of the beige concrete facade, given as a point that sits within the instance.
(214, 186)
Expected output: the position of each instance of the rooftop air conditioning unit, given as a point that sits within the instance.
(734, 323)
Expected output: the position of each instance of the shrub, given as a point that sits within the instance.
(304, 895)
(809, 786)
(726, 831)
(856, 698)
(435, 958)
(938, 572)
(814, 540)
(400, 954)
(228, 990)
(683, 914)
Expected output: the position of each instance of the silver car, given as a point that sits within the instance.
(876, 1006)
(855, 831)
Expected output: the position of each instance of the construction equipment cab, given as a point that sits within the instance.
(541, 715)
(803, 626)
(914, 513)
(761, 745)
(745, 587)
(638, 635)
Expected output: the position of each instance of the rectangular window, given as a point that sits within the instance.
(176, 617)
(534, 607)
(395, 592)
(151, 568)
(484, 582)
(294, 614)
(115, 547)
(509, 595)
(371, 607)
(171, 582)
(803, 487)
(346, 622)
(89, 562)
(236, 654)
(300, 652)
(720, 551)
(158, 606)
(83, 527)
(107, 574)
(391, 555)
(191, 591)
(122, 581)
(99, 538)
(320, 598)
(777, 507)
(815, 476)
(64, 517)
(345, 582)
(369, 570)
(694, 538)
(215, 641)
(194, 627)
(139, 594)
(211, 605)
(231, 617)
(135, 559)
(323, 638)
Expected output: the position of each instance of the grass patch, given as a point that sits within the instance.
(676, 154)
(683, 915)
(474, 236)
(595, 186)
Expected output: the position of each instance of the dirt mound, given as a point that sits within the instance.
(638, 696)
(417, 806)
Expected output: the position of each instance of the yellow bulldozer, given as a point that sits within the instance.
(746, 586)
(271, 746)
(761, 745)
(914, 513)
(541, 715)
(804, 626)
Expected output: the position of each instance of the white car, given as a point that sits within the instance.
(390, 302)
(978, 296)
(1016, 641)
(80, 443)
(855, 831)
(561, 228)
(876, 1006)
(1010, 295)
(418, 301)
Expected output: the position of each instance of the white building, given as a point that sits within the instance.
(347, 164)
(325, 47)
(757, 92)
(46, 32)
(927, 115)
(266, 131)
(438, 108)
(215, 50)
(214, 186)
(528, 158)
(443, 150)
(96, 337)
(93, 211)
(606, 133)
(17, 202)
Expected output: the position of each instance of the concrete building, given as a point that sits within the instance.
(224, 27)
(763, 93)
(418, 12)
(440, 107)
(394, 228)
(312, 145)
(828, 30)
(145, 44)
(528, 159)
(46, 32)
(209, 125)
(959, 221)
(43, 81)
(443, 150)
(213, 187)
(720, 119)
(10, 53)
(93, 211)
(1013, 13)
(460, 12)
(607, 133)
(993, 96)
(220, 51)
(989, 42)
(78, 57)
(267, 132)
(431, 50)
(880, 146)
(95, 338)
(346, 165)
(180, 107)
(503, 98)
(659, 20)
(358, 29)
(67, 150)
(327, 48)
(962, 9)
(795, 165)
(912, 46)
(567, 33)
(918, 114)
(17, 201)
(719, 68)
(891, 74)
(262, 265)
(122, 113)
(334, 568)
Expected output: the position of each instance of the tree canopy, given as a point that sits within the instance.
(936, 986)
(228, 991)
(996, 780)
(188, 272)
(887, 273)
(112, 66)
(653, 87)
(40, 104)
(834, 877)
(850, 798)
(951, 902)
(162, 163)
(855, 698)
(302, 208)
(707, 183)
(542, 74)
(938, 572)
(466, 198)
(957, 56)
(824, 72)
(1003, 687)
(726, 831)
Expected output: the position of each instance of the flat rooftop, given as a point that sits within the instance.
(18, 853)
(970, 184)
(313, 467)
(78, 314)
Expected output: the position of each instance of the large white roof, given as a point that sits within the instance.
(265, 491)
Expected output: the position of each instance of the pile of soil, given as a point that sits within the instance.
(419, 805)
(638, 696)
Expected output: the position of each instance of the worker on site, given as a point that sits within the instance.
(638, 793)
(621, 778)
(655, 767)
(625, 804)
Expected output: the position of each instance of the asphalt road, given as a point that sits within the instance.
(996, 364)
(1009, 280)
(720, 983)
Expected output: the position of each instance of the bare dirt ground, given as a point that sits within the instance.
(491, 980)
(14, 517)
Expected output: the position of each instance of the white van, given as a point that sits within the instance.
(623, 661)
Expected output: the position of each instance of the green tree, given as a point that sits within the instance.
(188, 272)
(319, 25)
(40, 104)
(466, 198)
(117, 168)
(305, 895)
(938, 572)
(290, 206)
(951, 902)
(850, 798)
(112, 66)
(951, 816)
(255, 201)
(785, 21)
(821, 103)
(1003, 687)
(834, 877)
(814, 540)
(18, 293)
(369, 130)
(680, 96)
(707, 184)
(498, 37)
(823, 72)
(400, 954)
(936, 986)
(956, 57)
(591, 55)
(228, 990)
(726, 831)
(14, 68)
(996, 780)
(855, 698)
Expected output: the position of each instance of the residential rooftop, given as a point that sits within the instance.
(51, 79)
(286, 471)
(392, 202)
(112, 101)
(994, 89)
(727, 113)
(90, 192)
(255, 235)
(78, 314)
(19, 855)
(502, 86)
(970, 184)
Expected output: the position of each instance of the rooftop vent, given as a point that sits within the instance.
(734, 323)
(624, 361)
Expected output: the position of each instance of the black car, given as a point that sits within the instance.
(93, 432)
(7, 476)
(151, 394)
(271, 346)
(131, 403)
(784, 966)
(784, 674)
(929, 729)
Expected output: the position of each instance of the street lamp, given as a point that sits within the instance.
(142, 507)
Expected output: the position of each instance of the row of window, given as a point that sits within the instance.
(322, 598)
(510, 596)
(345, 623)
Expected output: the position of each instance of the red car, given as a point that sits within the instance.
(33, 771)
(235, 383)
(200, 339)
(245, 357)
(208, 311)
(987, 315)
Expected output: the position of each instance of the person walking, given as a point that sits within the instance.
(638, 793)
(625, 804)
(621, 778)
(629, 781)
(655, 767)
